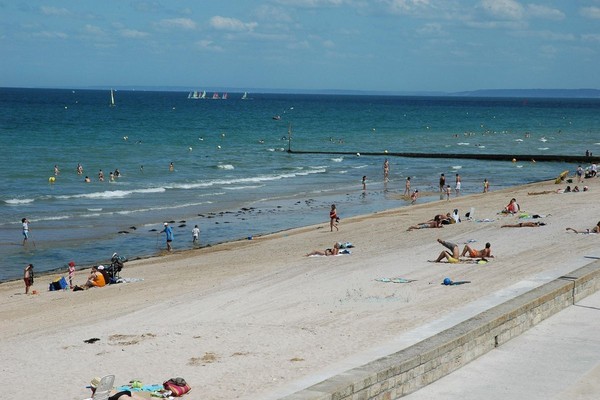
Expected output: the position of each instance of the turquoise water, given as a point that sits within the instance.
(232, 175)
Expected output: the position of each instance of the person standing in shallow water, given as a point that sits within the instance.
(442, 182)
(407, 186)
(168, 235)
(25, 223)
(333, 218)
(486, 185)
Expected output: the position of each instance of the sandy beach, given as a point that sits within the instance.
(256, 319)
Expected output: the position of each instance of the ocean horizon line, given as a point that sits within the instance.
(549, 93)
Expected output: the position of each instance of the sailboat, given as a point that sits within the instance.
(203, 96)
(245, 96)
(112, 98)
(216, 96)
(224, 96)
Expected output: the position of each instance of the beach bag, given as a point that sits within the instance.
(58, 284)
(177, 386)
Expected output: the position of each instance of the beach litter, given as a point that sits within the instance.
(394, 280)
(450, 282)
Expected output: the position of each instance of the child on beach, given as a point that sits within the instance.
(333, 218)
(28, 277)
(414, 196)
(448, 191)
(71, 273)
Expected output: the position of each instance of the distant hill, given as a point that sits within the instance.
(546, 93)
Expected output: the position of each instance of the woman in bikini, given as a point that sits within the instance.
(328, 252)
(595, 229)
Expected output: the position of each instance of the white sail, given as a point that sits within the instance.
(112, 98)
(245, 96)
(203, 94)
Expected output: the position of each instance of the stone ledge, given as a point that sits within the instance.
(407, 370)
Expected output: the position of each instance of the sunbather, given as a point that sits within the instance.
(595, 229)
(524, 225)
(452, 255)
(328, 252)
(435, 223)
(512, 207)
(473, 253)
(122, 395)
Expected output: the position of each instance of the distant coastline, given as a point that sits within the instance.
(585, 93)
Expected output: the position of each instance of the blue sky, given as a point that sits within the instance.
(388, 45)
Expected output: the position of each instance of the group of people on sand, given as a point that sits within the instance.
(452, 255)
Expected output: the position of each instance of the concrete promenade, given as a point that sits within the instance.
(558, 359)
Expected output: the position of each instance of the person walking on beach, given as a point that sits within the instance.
(28, 277)
(457, 188)
(407, 187)
(579, 174)
(448, 191)
(195, 234)
(333, 218)
(168, 235)
(442, 182)
(486, 186)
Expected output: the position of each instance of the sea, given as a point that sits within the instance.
(231, 173)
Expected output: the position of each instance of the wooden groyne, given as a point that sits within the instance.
(582, 159)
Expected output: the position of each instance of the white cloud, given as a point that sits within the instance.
(328, 44)
(431, 29)
(180, 23)
(591, 37)
(231, 24)
(94, 30)
(503, 9)
(406, 6)
(133, 34)
(540, 11)
(51, 35)
(591, 12)
(54, 11)
(548, 51)
(311, 3)
(208, 45)
(274, 14)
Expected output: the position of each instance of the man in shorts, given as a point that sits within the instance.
(473, 253)
(168, 235)
(452, 256)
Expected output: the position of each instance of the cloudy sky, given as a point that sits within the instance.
(395, 45)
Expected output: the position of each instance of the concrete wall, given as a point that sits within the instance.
(403, 372)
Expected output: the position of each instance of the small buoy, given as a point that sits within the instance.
(222, 135)
(357, 154)
(190, 148)
(385, 151)
(514, 160)
(218, 147)
(51, 179)
(447, 281)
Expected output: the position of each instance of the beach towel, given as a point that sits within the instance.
(394, 280)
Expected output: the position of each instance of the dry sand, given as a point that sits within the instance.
(256, 319)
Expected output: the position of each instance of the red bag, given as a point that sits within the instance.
(178, 386)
